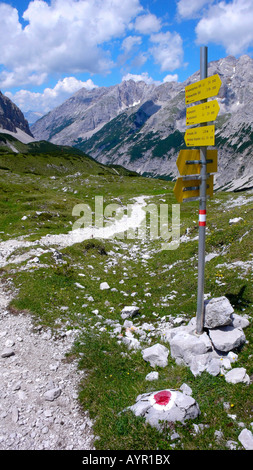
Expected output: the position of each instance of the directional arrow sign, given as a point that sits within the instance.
(200, 136)
(185, 189)
(203, 89)
(188, 162)
(204, 112)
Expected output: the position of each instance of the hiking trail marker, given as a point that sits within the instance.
(195, 165)
(200, 136)
(204, 112)
(205, 88)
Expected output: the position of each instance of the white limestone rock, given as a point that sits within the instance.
(129, 311)
(246, 439)
(239, 374)
(156, 355)
(152, 376)
(217, 312)
(165, 405)
(185, 345)
(227, 338)
(104, 286)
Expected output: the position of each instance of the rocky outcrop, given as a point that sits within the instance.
(11, 117)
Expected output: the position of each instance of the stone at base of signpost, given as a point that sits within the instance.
(213, 350)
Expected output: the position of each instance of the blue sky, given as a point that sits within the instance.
(50, 49)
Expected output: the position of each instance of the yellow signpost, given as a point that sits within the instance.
(204, 112)
(195, 165)
(189, 163)
(200, 136)
(202, 89)
(189, 188)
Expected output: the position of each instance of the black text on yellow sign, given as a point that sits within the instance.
(201, 113)
(200, 136)
(203, 89)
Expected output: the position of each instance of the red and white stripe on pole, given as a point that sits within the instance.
(202, 217)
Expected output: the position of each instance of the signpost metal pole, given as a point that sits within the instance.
(202, 214)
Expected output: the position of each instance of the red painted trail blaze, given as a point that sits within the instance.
(162, 398)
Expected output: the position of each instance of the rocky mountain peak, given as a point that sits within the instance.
(11, 117)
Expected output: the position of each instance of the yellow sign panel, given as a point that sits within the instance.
(204, 112)
(200, 136)
(185, 189)
(202, 89)
(186, 162)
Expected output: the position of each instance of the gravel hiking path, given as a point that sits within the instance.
(39, 408)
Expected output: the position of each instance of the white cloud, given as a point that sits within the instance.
(143, 77)
(188, 9)
(229, 25)
(65, 36)
(147, 24)
(167, 51)
(170, 78)
(51, 97)
(130, 42)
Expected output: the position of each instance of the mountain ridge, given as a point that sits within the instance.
(141, 127)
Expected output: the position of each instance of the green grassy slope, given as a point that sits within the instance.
(37, 198)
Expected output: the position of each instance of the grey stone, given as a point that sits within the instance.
(185, 345)
(104, 286)
(129, 311)
(199, 363)
(156, 355)
(186, 389)
(214, 367)
(131, 342)
(179, 408)
(7, 352)
(152, 376)
(246, 439)
(52, 394)
(238, 321)
(168, 333)
(218, 312)
(227, 338)
(237, 375)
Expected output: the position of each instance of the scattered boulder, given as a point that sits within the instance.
(246, 439)
(217, 312)
(52, 394)
(165, 406)
(129, 312)
(238, 321)
(131, 342)
(7, 352)
(104, 286)
(185, 345)
(186, 389)
(237, 375)
(152, 376)
(235, 220)
(156, 355)
(227, 338)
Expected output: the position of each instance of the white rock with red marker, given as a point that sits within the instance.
(165, 406)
